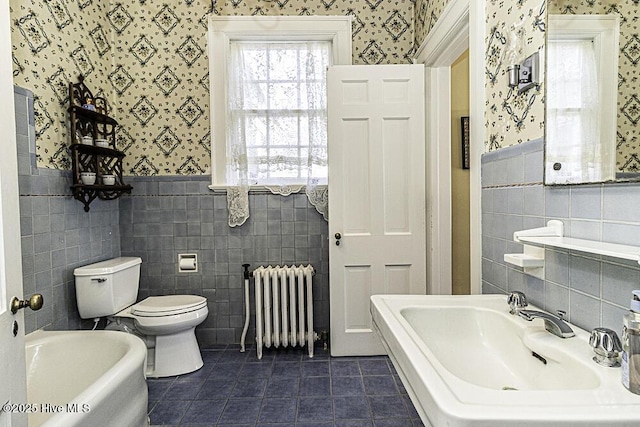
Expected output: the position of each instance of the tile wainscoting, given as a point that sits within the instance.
(169, 215)
(593, 290)
(57, 234)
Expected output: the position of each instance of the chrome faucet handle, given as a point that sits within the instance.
(606, 345)
(516, 301)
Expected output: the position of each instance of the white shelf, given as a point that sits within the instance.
(524, 260)
(591, 246)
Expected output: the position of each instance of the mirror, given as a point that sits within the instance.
(593, 92)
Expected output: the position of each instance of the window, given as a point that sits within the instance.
(277, 110)
(229, 33)
(268, 111)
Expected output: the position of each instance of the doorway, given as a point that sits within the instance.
(460, 207)
(459, 28)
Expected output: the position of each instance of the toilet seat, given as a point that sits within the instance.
(168, 305)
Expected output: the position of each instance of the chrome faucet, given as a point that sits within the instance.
(517, 301)
(553, 324)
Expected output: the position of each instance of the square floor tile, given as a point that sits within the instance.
(413, 414)
(256, 370)
(249, 388)
(315, 369)
(157, 388)
(183, 390)
(380, 384)
(199, 375)
(388, 407)
(344, 368)
(241, 411)
(289, 354)
(351, 408)
(347, 386)
(232, 356)
(278, 411)
(286, 369)
(375, 366)
(216, 389)
(169, 412)
(399, 384)
(315, 409)
(210, 356)
(225, 370)
(315, 386)
(204, 412)
(282, 387)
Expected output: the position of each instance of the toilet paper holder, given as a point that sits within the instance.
(187, 263)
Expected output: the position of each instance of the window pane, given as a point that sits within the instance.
(283, 63)
(255, 58)
(283, 96)
(283, 131)
(282, 107)
(254, 96)
(256, 131)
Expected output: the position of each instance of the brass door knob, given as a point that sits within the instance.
(34, 303)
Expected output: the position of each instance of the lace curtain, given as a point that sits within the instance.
(573, 124)
(277, 122)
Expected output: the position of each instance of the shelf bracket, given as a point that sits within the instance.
(531, 261)
(86, 196)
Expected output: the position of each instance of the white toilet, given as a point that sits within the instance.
(166, 323)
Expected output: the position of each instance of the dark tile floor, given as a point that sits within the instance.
(285, 388)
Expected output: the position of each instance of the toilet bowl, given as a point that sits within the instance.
(165, 323)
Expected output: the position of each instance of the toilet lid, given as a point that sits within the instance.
(168, 305)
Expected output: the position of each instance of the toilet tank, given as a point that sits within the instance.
(106, 287)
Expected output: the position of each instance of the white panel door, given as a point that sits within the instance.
(376, 195)
(12, 358)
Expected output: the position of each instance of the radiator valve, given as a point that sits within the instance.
(324, 337)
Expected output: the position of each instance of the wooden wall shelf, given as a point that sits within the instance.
(89, 116)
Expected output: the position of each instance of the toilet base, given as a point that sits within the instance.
(174, 354)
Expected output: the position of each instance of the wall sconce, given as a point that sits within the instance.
(513, 71)
(525, 75)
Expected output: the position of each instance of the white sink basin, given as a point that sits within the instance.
(500, 354)
(465, 360)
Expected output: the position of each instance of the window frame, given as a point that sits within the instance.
(225, 29)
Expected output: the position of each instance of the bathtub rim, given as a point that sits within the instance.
(120, 372)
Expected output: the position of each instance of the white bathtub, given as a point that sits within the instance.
(86, 378)
(465, 361)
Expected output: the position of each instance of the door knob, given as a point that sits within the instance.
(338, 236)
(34, 303)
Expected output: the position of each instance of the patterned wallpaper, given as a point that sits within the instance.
(426, 14)
(511, 118)
(54, 41)
(628, 143)
(149, 56)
